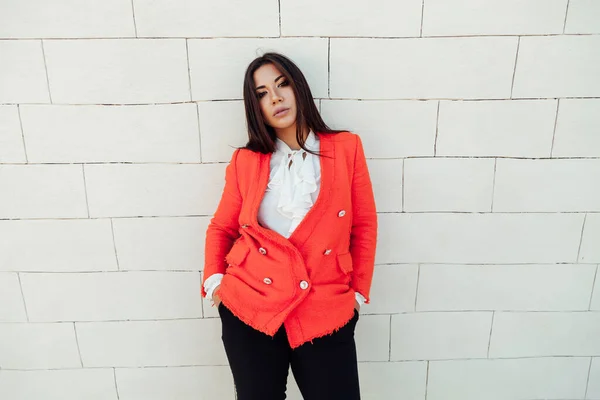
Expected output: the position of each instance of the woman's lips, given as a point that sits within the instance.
(282, 113)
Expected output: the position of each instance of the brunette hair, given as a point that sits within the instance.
(261, 137)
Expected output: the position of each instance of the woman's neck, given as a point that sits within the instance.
(288, 135)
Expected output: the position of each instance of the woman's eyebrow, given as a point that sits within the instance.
(263, 86)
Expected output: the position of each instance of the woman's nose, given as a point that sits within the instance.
(276, 97)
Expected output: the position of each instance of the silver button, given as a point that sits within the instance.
(262, 251)
(245, 226)
(303, 285)
(327, 252)
(342, 213)
(268, 281)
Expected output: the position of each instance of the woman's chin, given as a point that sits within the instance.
(283, 124)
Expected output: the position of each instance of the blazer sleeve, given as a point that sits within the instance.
(223, 228)
(363, 235)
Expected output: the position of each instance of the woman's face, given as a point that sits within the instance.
(275, 96)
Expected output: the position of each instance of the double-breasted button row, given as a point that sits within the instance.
(303, 284)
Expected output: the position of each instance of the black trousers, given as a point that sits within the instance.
(325, 369)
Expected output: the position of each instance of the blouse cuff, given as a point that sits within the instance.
(360, 298)
(211, 283)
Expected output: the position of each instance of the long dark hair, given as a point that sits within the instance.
(261, 137)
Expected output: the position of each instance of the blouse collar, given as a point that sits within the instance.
(311, 143)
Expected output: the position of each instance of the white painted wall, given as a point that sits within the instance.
(481, 122)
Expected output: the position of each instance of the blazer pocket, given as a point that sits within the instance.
(237, 254)
(344, 261)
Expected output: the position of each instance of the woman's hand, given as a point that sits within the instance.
(356, 306)
(215, 296)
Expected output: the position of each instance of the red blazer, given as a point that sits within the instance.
(307, 281)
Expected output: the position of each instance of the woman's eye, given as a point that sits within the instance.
(261, 94)
(284, 83)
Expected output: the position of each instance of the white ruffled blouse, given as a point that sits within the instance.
(293, 187)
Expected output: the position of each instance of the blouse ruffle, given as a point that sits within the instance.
(296, 183)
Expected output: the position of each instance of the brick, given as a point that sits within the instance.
(67, 384)
(527, 378)
(577, 128)
(520, 128)
(377, 18)
(536, 334)
(593, 391)
(403, 380)
(66, 19)
(117, 190)
(22, 72)
(561, 287)
(430, 336)
(476, 68)
(142, 343)
(393, 289)
(11, 141)
(222, 128)
(582, 17)
(60, 245)
(386, 179)
(112, 296)
(95, 71)
(590, 251)
(457, 184)
(547, 185)
(217, 66)
(38, 346)
(42, 191)
(411, 132)
(495, 17)
(73, 134)
(214, 382)
(13, 308)
(595, 300)
(478, 238)
(186, 18)
(160, 243)
(372, 337)
(558, 66)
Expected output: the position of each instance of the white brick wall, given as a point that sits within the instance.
(577, 128)
(493, 17)
(496, 128)
(481, 125)
(518, 378)
(475, 68)
(210, 382)
(58, 384)
(22, 72)
(11, 141)
(385, 18)
(558, 66)
(124, 71)
(581, 17)
(98, 134)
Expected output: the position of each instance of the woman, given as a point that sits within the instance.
(290, 250)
